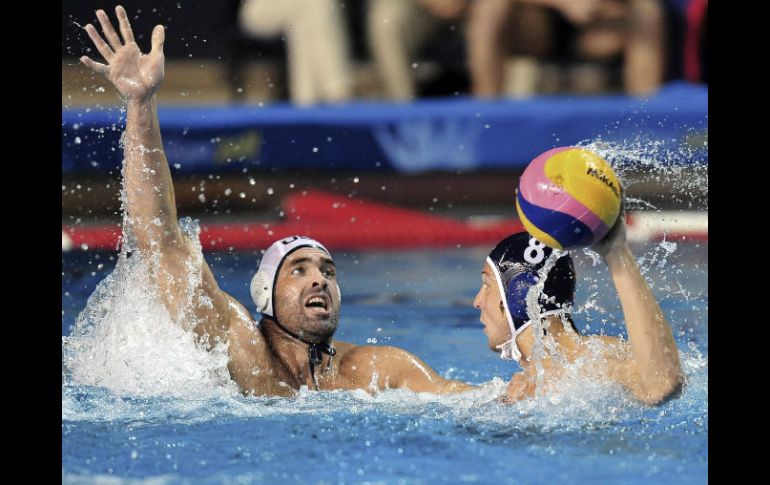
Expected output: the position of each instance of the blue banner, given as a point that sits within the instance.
(458, 134)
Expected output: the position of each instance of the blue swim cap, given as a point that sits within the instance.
(517, 262)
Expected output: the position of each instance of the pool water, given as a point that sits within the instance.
(159, 413)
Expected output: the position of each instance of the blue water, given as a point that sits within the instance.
(421, 301)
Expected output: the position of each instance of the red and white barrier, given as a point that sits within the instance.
(344, 223)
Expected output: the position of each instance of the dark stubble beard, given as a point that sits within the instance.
(309, 328)
(291, 314)
(316, 330)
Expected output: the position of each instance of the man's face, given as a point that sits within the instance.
(307, 299)
(489, 301)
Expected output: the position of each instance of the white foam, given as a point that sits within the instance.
(125, 339)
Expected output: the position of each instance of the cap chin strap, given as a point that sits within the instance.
(262, 290)
(315, 351)
(510, 350)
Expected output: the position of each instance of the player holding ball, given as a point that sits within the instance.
(569, 197)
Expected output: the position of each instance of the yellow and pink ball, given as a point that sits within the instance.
(568, 197)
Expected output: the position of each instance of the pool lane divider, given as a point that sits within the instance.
(342, 222)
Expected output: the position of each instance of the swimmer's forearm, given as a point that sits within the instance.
(149, 188)
(653, 346)
(456, 387)
(464, 386)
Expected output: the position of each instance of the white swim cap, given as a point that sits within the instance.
(263, 283)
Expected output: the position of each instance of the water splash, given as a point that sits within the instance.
(534, 311)
(576, 404)
(646, 165)
(126, 340)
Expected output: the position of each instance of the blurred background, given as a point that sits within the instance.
(395, 132)
(272, 107)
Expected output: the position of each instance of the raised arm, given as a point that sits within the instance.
(150, 202)
(149, 191)
(654, 372)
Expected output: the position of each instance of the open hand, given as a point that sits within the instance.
(135, 75)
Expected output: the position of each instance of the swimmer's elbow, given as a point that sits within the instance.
(657, 383)
(662, 391)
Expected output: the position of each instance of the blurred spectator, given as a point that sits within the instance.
(397, 29)
(695, 46)
(317, 45)
(595, 30)
(496, 30)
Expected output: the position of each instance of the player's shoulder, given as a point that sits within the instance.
(606, 343)
(243, 328)
(369, 352)
(357, 359)
(237, 312)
